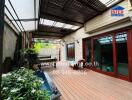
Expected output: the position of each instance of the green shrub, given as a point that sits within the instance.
(28, 57)
(22, 84)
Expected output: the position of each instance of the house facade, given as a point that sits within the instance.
(104, 42)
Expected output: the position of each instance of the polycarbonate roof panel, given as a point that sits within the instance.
(109, 3)
(10, 9)
(64, 12)
(25, 9)
(56, 24)
(16, 26)
(28, 26)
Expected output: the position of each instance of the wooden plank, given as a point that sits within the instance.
(89, 85)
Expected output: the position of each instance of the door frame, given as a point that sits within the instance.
(129, 47)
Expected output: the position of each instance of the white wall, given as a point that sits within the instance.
(99, 21)
(9, 42)
(53, 52)
(72, 38)
(106, 18)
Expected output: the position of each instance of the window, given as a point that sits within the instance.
(70, 51)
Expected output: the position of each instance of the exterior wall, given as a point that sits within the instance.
(53, 52)
(73, 38)
(9, 42)
(106, 18)
(94, 24)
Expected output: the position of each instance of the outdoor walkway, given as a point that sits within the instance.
(89, 85)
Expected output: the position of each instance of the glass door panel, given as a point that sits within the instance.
(88, 52)
(103, 53)
(122, 54)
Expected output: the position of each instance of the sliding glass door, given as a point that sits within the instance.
(109, 53)
(103, 53)
(88, 51)
(122, 54)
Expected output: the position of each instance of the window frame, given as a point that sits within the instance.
(72, 56)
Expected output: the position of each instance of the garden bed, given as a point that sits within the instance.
(23, 84)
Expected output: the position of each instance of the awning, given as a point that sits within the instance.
(54, 18)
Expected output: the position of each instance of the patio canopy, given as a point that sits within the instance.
(54, 18)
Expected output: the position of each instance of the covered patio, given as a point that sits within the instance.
(88, 85)
(65, 49)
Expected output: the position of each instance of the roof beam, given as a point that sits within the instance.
(35, 13)
(39, 11)
(88, 5)
(46, 33)
(53, 37)
(58, 18)
(68, 2)
(16, 15)
(13, 18)
(31, 19)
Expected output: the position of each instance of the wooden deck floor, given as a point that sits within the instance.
(89, 85)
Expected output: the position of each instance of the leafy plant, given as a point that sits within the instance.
(22, 84)
(39, 45)
(28, 57)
